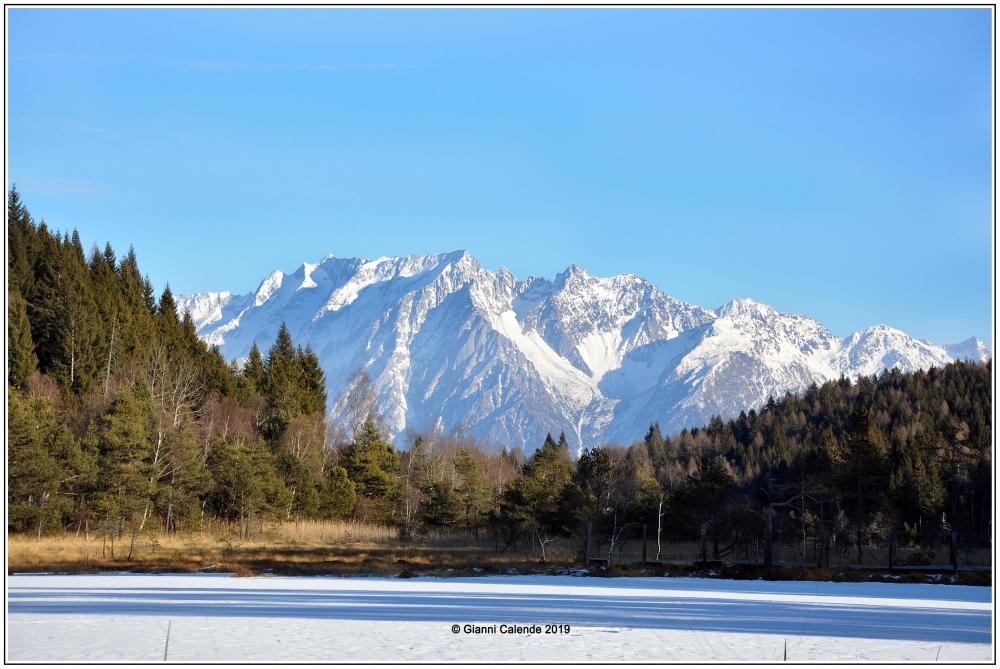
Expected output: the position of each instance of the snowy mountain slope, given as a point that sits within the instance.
(449, 343)
(970, 349)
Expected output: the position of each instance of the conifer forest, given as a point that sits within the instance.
(122, 423)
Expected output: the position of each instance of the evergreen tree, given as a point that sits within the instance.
(126, 486)
(595, 474)
(374, 466)
(471, 493)
(45, 465)
(540, 501)
(247, 488)
(251, 379)
(563, 447)
(21, 358)
(281, 377)
(300, 482)
(442, 507)
(21, 237)
(312, 382)
(706, 497)
(337, 497)
(219, 377)
(168, 325)
(184, 481)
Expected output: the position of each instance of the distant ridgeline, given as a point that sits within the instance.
(122, 422)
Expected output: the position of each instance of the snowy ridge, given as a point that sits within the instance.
(971, 349)
(449, 343)
(204, 307)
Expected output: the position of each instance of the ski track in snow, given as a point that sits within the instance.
(215, 617)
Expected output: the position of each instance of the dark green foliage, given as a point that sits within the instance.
(300, 482)
(705, 497)
(596, 474)
(292, 380)
(122, 439)
(311, 382)
(374, 466)
(542, 501)
(251, 379)
(184, 480)
(21, 242)
(337, 497)
(471, 494)
(247, 487)
(441, 507)
(21, 358)
(44, 465)
(903, 451)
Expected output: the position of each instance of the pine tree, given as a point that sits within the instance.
(21, 358)
(63, 316)
(471, 492)
(45, 465)
(136, 326)
(168, 325)
(21, 236)
(300, 482)
(540, 501)
(281, 377)
(123, 444)
(374, 466)
(247, 488)
(219, 377)
(563, 447)
(251, 378)
(312, 382)
(442, 507)
(183, 481)
(337, 497)
(148, 298)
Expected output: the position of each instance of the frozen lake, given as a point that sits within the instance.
(217, 617)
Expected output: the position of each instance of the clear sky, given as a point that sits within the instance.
(830, 162)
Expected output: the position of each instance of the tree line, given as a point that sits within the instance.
(121, 422)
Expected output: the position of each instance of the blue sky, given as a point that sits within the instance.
(830, 162)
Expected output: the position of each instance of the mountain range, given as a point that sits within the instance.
(450, 344)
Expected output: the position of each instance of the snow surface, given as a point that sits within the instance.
(448, 342)
(215, 617)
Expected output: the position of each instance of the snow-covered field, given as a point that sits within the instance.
(218, 617)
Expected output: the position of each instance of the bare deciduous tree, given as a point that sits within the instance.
(359, 402)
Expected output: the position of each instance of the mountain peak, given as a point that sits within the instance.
(573, 272)
(747, 307)
(973, 348)
(268, 286)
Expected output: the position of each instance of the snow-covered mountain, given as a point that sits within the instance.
(449, 343)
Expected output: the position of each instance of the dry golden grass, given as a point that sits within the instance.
(311, 547)
(343, 548)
